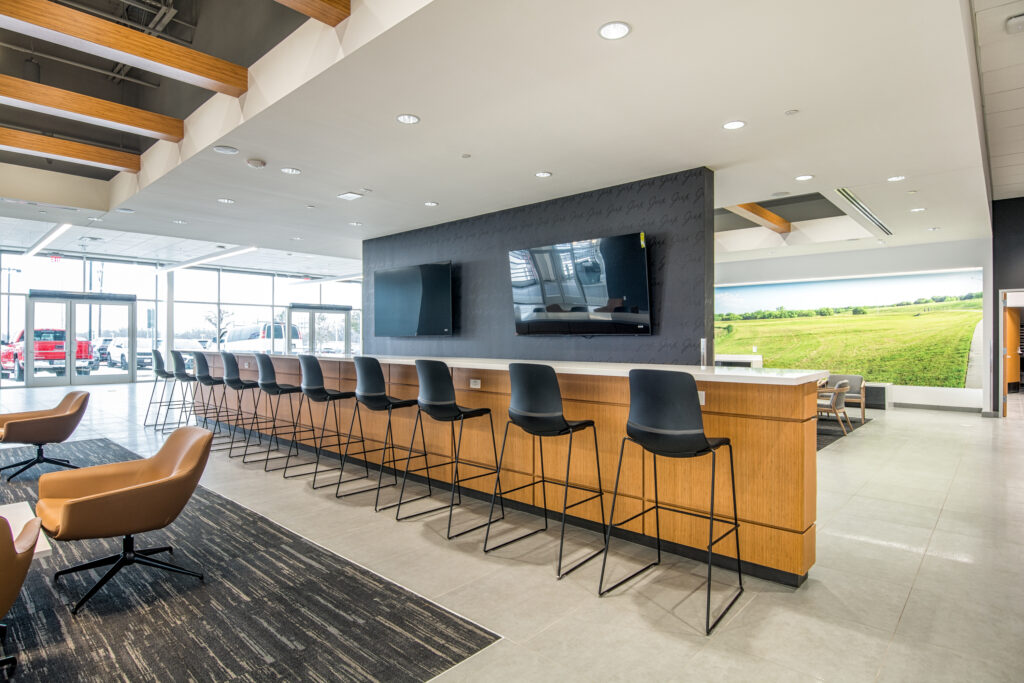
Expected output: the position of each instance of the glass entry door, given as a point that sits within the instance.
(321, 330)
(68, 335)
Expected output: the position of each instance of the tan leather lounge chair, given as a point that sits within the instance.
(15, 558)
(124, 499)
(40, 427)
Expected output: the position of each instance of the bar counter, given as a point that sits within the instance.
(770, 415)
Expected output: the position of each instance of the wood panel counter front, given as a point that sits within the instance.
(770, 416)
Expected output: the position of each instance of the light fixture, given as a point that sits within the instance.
(42, 210)
(933, 229)
(917, 210)
(911, 191)
(349, 196)
(792, 112)
(125, 209)
(225, 149)
(205, 259)
(780, 194)
(178, 221)
(543, 174)
(896, 178)
(355, 224)
(256, 163)
(881, 241)
(734, 125)
(614, 30)
(429, 203)
(225, 200)
(804, 178)
(407, 118)
(288, 170)
(297, 239)
(310, 206)
(94, 218)
(51, 234)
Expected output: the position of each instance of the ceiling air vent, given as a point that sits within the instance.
(865, 211)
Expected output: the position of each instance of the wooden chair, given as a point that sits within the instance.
(856, 395)
(832, 401)
(15, 558)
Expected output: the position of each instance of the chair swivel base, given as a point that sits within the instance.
(8, 663)
(40, 459)
(128, 556)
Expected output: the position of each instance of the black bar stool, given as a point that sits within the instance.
(233, 380)
(205, 379)
(188, 391)
(665, 419)
(536, 408)
(371, 393)
(313, 391)
(437, 400)
(160, 370)
(268, 385)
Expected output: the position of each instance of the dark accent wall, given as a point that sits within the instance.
(676, 213)
(1007, 272)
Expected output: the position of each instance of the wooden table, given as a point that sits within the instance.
(17, 514)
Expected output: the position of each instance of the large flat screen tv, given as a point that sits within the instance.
(589, 287)
(414, 301)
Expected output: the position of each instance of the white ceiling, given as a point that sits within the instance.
(1001, 63)
(883, 88)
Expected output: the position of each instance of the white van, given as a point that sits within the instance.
(258, 338)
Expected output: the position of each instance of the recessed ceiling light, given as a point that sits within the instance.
(792, 112)
(911, 191)
(734, 125)
(466, 156)
(614, 30)
(355, 224)
(225, 149)
(256, 163)
(288, 170)
(407, 118)
(933, 229)
(42, 211)
(349, 196)
(225, 200)
(896, 178)
(94, 218)
(881, 241)
(297, 239)
(780, 194)
(543, 174)
(804, 178)
(178, 221)
(310, 206)
(917, 210)
(429, 203)
(125, 209)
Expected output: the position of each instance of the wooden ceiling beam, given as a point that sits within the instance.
(762, 216)
(16, 92)
(330, 12)
(87, 33)
(77, 152)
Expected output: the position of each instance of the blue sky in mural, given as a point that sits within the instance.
(873, 291)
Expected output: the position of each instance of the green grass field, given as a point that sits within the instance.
(920, 345)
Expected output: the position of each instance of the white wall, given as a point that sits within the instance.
(883, 261)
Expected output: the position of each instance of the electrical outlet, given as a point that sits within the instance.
(474, 384)
(245, 364)
(700, 395)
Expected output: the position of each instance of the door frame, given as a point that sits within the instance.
(70, 301)
(311, 310)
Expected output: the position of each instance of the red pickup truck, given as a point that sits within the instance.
(49, 355)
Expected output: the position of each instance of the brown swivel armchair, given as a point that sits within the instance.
(40, 427)
(15, 558)
(124, 499)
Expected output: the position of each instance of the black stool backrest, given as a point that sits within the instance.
(664, 413)
(159, 368)
(202, 366)
(536, 404)
(267, 375)
(437, 391)
(179, 365)
(312, 375)
(369, 377)
(230, 366)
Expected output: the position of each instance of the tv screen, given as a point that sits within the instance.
(590, 287)
(414, 301)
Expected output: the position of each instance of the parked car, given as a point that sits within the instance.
(258, 338)
(49, 352)
(103, 349)
(119, 354)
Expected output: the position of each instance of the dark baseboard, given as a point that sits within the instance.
(699, 554)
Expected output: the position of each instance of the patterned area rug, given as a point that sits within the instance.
(829, 430)
(273, 606)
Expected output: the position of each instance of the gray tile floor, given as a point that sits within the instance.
(918, 578)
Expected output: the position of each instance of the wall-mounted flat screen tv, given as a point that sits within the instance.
(414, 301)
(589, 287)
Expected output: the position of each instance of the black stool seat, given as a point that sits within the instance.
(452, 413)
(381, 402)
(278, 389)
(323, 395)
(203, 371)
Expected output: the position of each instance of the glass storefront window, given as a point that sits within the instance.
(120, 278)
(43, 272)
(195, 284)
(245, 288)
(249, 328)
(295, 290)
(195, 326)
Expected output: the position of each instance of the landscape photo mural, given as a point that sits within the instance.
(913, 330)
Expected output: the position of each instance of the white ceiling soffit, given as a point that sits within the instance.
(1001, 63)
(508, 89)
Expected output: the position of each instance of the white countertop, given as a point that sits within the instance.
(700, 373)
